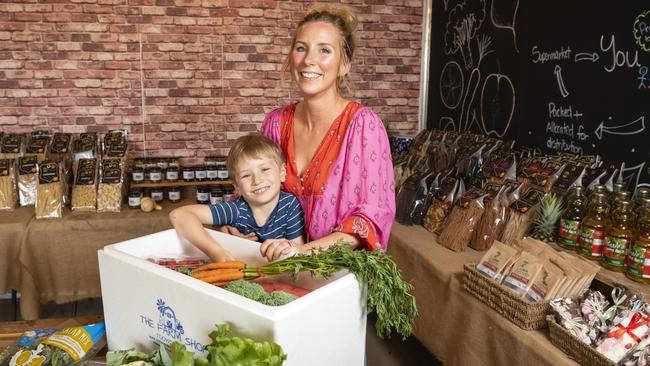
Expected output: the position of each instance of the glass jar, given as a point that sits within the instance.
(188, 174)
(174, 194)
(137, 176)
(571, 219)
(592, 237)
(211, 172)
(171, 174)
(162, 163)
(135, 195)
(618, 238)
(139, 163)
(155, 175)
(222, 170)
(157, 194)
(200, 174)
(228, 191)
(638, 260)
(216, 195)
(202, 195)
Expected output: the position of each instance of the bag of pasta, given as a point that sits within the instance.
(441, 204)
(49, 191)
(462, 221)
(27, 180)
(13, 146)
(522, 216)
(492, 222)
(84, 191)
(7, 185)
(109, 192)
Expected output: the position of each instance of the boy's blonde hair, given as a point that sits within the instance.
(251, 147)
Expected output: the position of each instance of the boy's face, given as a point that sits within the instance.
(259, 179)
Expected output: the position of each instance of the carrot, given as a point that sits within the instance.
(222, 265)
(222, 277)
(213, 272)
(221, 283)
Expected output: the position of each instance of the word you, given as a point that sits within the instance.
(618, 57)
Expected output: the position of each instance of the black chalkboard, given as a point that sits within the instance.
(568, 76)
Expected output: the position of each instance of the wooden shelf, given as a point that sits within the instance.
(180, 184)
(611, 278)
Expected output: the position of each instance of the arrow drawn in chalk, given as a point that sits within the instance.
(560, 81)
(631, 128)
(583, 56)
(632, 174)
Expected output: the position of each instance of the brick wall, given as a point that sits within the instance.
(209, 69)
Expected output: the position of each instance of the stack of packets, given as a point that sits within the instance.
(618, 330)
(535, 271)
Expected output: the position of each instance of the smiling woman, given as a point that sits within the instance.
(338, 155)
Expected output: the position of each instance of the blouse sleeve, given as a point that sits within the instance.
(271, 125)
(371, 183)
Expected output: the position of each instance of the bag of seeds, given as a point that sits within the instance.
(7, 185)
(27, 180)
(109, 192)
(84, 191)
(49, 191)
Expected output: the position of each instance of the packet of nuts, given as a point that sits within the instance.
(7, 185)
(27, 180)
(84, 190)
(109, 193)
(49, 191)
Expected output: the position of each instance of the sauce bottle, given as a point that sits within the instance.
(618, 238)
(571, 219)
(638, 260)
(592, 237)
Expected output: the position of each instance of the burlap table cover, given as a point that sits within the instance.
(13, 225)
(59, 256)
(454, 325)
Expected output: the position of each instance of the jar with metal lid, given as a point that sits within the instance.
(216, 195)
(139, 163)
(150, 163)
(202, 195)
(200, 173)
(188, 173)
(211, 172)
(173, 162)
(137, 175)
(155, 175)
(228, 191)
(171, 174)
(135, 195)
(157, 194)
(174, 194)
(162, 163)
(222, 169)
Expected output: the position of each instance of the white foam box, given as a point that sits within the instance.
(145, 303)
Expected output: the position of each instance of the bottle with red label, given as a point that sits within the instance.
(619, 237)
(638, 260)
(571, 219)
(594, 225)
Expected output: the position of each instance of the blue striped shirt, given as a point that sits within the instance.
(286, 220)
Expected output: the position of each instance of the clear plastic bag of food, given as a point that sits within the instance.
(27, 180)
(492, 222)
(84, 191)
(13, 146)
(110, 190)
(441, 205)
(7, 185)
(49, 191)
(522, 216)
(461, 224)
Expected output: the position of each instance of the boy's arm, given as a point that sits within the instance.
(188, 222)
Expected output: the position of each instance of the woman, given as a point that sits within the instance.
(338, 156)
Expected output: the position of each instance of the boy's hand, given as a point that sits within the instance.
(273, 249)
(221, 255)
(233, 231)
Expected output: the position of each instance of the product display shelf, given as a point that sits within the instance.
(612, 278)
(180, 184)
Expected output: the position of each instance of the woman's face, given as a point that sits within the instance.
(315, 60)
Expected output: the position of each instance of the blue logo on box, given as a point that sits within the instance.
(169, 328)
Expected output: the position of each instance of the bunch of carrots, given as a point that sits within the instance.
(220, 274)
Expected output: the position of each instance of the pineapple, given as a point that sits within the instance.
(550, 211)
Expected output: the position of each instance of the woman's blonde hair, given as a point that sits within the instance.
(344, 18)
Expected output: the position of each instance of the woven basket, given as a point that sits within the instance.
(525, 314)
(582, 353)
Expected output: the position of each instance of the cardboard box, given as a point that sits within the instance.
(146, 303)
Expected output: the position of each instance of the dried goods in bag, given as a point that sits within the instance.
(492, 222)
(441, 204)
(49, 191)
(109, 192)
(462, 222)
(84, 191)
(27, 180)
(7, 185)
(522, 216)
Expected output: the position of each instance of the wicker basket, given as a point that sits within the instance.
(525, 314)
(582, 353)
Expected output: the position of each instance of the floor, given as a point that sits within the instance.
(381, 352)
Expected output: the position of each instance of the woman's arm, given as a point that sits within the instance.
(273, 249)
(188, 222)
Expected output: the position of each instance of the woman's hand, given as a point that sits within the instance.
(273, 249)
(227, 229)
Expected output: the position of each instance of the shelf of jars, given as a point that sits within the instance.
(179, 184)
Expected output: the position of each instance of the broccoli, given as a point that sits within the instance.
(278, 298)
(246, 289)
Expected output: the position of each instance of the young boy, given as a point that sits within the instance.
(257, 168)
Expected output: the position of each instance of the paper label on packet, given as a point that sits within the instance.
(77, 341)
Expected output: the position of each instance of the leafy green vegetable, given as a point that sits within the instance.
(181, 356)
(249, 290)
(278, 298)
